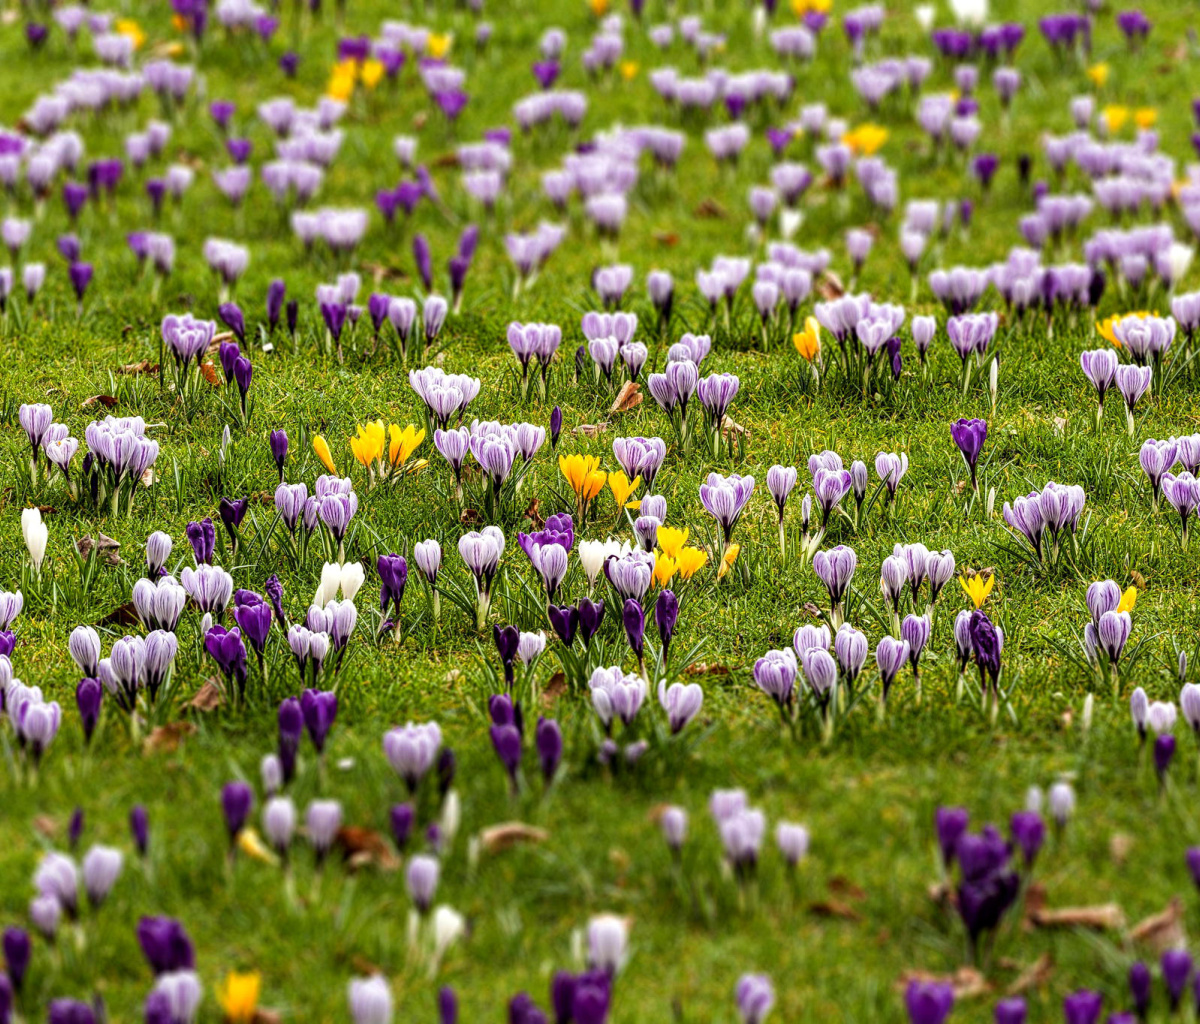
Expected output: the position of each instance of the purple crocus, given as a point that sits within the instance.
(928, 1002)
(969, 435)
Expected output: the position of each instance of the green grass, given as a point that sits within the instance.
(868, 796)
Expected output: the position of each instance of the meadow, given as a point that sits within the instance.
(525, 865)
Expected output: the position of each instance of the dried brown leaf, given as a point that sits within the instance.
(667, 238)
(834, 908)
(1119, 847)
(105, 400)
(209, 373)
(554, 689)
(590, 429)
(446, 160)
(712, 210)
(134, 369)
(264, 1016)
(839, 885)
(208, 698)
(533, 513)
(122, 615)
(1036, 975)
(46, 826)
(470, 517)
(703, 668)
(1102, 917)
(729, 427)
(166, 738)
(363, 847)
(508, 834)
(630, 397)
(107, 547)
(1163, 930)
(829, 286)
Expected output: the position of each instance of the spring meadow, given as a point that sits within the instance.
(581, 511)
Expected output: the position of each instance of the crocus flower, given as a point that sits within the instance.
(969, 435)
(928, 1002)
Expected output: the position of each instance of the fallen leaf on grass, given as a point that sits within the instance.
(365, 967)
(834, 908)
(208, 698)
(1164, 930)
(1034, 976)
(470, 517)
(533, 513)
(209, 373)
(966, 981)
(712, 210)
(107, 547)
(166, 738)
(590, 429)
(729, 427)
(1119, 845)
(829, 286)
(506, 835)
(630, 397)
(446, 160)
(554, 689)
(703, 668)
(668, 238)
(264, 1016)
(842, 886)
(46, 826)
(105, 400)
(1102, 917)
(363, 847)
(122, 615)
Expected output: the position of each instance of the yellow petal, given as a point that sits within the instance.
(321, 447)
(1128, 600)
(251, 844)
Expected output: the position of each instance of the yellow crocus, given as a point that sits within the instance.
(1105, 327)
(664, 569)
(371, 73)
(808, 341)
(576, 469)
(238, 996)
(367, 444)
(179, 23)
(629, 70)
(593, 484)
(622, 487)
(321, 447)
(866, 139)
(1145, 117)
(340, 89)
(1115, 117)
(252, 845)
(802, 7)
(438, 44)
(671, 539)
(132, 30)
(598, 7)
(976, 587)
(1128, 600)
(691, 561)
(1098, 73)
(404, 443)
(727, 559)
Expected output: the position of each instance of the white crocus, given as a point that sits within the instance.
(36, 534)
(924, 14)
(331, 582)
(352, 577)
(970, 12)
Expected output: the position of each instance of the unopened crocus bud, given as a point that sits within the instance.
(447, 1006)
(421, 879)
(549, 741)
(555, 426)
(158, 550)
(1028, 833)
(89, 696)
(1164, 752)
(18, 951)
(1061, 799)
(270, 769)
(674, 826)
(666, 615)
(951, 823)
(293, 317)
(101, 868)
(236, 801)
(1176, 969)
(1140, 982)
(139, 828)
(401, 819)
(635, 627)
(279, 449)
(792, 841)
(75, 828)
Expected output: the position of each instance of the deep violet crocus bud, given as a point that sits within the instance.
(549, 741)
(447, 1006)
(1082, 1007)
(401, 819)
(1010, 1011)
(507, 741)
(666, 615)
(951, 824)
(139, 828)
(1164, 751)
(17, 953)
(291, 729)
(1140, 982)
(279, 450)
(236, 801)
(1176, 969)
(424, 260)
(555, 426)
(89, 696)
(969, 435)
(507, 639)
(1028, 833)
(293, 317)
(233, 318)
(75, 828)
(635, 627)
(319, 708)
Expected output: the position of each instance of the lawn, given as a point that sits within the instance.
(841, 933)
